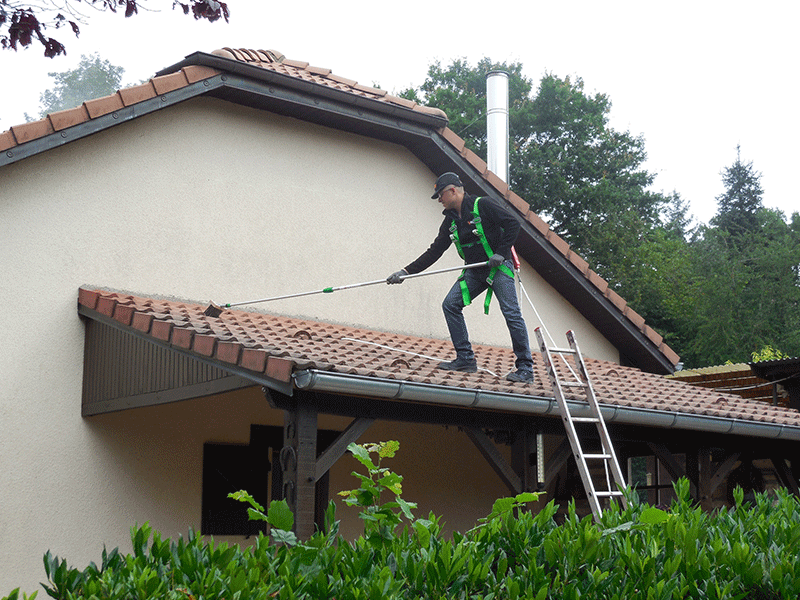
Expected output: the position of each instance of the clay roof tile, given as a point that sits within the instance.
(277, 345)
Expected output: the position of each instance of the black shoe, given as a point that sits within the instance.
(520, 376)
(465, 365)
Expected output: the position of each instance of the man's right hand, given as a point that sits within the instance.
(396, 277)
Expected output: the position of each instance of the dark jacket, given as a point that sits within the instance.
(499, 226)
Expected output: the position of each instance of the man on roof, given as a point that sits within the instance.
(483, 232)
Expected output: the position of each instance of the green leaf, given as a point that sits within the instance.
(244, 496)
(256, 515)
(280, 515)
(406, 507)
(423, 533)
(388, 449)
(501, 506)
(362, 455)
(282, 536)
(653, 516)
(526, 497)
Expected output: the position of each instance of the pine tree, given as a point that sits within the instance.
(738, 206)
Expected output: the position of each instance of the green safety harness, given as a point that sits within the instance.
(478, 231)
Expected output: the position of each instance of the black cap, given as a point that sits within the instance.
(445, 180)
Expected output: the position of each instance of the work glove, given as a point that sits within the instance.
(496, 260)
(396, 277)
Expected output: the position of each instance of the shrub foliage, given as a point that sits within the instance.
(748, 551)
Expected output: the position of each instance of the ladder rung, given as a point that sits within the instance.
(597, 456)
(562, 350)
(574, 384)
(585, 420)
(608, 494)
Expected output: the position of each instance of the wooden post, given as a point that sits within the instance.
(522, 449)
(299, 463)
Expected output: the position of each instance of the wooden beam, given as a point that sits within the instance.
(497, 461)
(670, 464)
(557, 462)
(785, 474)
(522, 449)
(337, 449)
(723, 471)
(299, 462)
(704, 479)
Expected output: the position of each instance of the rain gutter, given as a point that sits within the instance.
(407, 391)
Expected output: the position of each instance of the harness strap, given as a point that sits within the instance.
(478, 231)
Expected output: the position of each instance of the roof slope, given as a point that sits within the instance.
(280, 347)
(267, 80)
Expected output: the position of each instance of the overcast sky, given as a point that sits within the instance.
(695, 79)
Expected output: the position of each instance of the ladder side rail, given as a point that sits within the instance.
(572, 434)
(605, 438)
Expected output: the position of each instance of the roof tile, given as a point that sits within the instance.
(496, 182)
(195, 73)
(455, 141)
(142, 322)
(161, 329)
(103, 106)
(182, 338)
(633, 316)
(88, 298)
(578, 261)
(598, 282)
(168, 83)
(31, 131)
(137, 93)
(400, 101)
(476, 161)
(105, 305)
(653, 335)
(517, 202)
(67, 118)
(229, 352)
(124, 313)
(535, 220)
(321, 71)
(254, 359)
(558, 242)
(616, 299)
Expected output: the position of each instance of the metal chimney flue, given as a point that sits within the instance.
(497, 123)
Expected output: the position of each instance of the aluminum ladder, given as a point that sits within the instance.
(607, 456)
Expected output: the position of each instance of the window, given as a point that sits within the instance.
(651, 480)
(228, 468)
(254, 467)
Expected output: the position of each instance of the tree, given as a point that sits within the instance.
(92, 78)
(23, 22)
(716, 293)
(738, 205)
(564, 158)
(744, 292)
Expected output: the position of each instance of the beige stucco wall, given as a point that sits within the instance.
(204, 201)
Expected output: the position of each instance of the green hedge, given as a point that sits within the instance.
(749, 551)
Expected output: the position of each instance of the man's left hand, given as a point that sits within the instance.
(496, 260)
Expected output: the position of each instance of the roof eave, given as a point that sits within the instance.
(407, 391)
